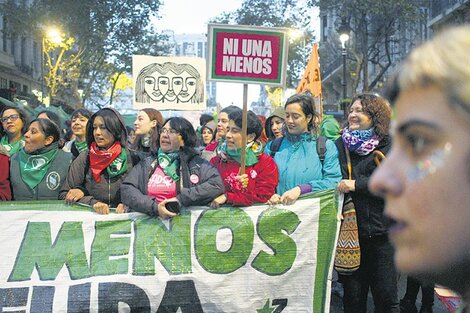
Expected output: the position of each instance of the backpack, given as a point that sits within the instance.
(321, 147)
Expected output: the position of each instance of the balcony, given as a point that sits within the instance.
(445, 6)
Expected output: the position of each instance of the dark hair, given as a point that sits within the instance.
(52, 116)
(114, 124)
(185, 129)
(83, 112)
(378, 109)
(307, 104)
(205, 118)
(253, 125)
(23, 116)
(49, 128)
(229, 109)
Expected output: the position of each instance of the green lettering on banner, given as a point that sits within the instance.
(272, 224)
(171, 246)
(104, 247)
(38, 251)
(206, 228)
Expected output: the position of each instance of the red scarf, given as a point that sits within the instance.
(101, 159)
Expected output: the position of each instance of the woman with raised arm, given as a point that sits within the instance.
(258, 183)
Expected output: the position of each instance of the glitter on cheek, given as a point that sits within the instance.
(430, 165)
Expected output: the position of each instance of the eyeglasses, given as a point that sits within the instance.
(168, 131)
(12, 118)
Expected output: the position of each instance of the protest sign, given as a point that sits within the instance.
(247, 54)
(57, 258)
(169, 83)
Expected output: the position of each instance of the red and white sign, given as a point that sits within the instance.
(247, 54)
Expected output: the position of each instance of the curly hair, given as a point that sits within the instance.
(378, 109)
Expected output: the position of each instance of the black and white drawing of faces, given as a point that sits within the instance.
(174, 83)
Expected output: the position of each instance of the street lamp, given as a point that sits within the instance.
(343, 31)
(54, 36)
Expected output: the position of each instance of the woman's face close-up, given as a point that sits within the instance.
(103, 137)
(35, 139)
(296, 121)
(207, 135)
(12, 122)
(222, 124)
(357, 118)
(78, 125)
(425, 181)
(170, 139)
(234, 136)
(276, 126)
(143, 124)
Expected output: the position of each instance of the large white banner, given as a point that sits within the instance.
(57, 258)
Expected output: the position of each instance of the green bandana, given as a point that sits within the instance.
(81, 145)
(253, 150)
(33, 167)
(169, 162)
(119, 165)
(12, 148)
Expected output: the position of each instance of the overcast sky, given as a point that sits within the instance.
(192, 16)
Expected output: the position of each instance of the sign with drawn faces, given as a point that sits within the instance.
(169, 83)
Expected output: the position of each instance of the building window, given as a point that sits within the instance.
(23, 51)
(199, 49)
(4, 34)
(3, 83)
(25, 89)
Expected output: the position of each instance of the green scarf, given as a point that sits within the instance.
(119, 165)
(33, 167)
(253, 150)
(81, 145)
(169, 162)
(12, 148)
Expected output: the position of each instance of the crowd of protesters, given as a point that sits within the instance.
(171, 165)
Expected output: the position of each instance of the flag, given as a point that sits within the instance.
(311, 79)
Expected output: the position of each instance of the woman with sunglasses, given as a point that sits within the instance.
(14, 125)
(39, 169)
(174, 173)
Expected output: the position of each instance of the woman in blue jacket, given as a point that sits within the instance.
(300, 168)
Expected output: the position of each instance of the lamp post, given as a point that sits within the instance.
(343, 31)
(54, 36)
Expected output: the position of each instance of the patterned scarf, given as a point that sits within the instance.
(34, 166)
(361, 142)
(11, 148)
(80, 145)
(114, 160)
(169, 162)
(253, 151)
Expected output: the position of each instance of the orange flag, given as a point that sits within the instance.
(311, 80)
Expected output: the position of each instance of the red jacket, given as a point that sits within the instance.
(262, 180)
(5, 189)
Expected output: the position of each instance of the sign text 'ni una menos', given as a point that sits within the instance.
(247, 54)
